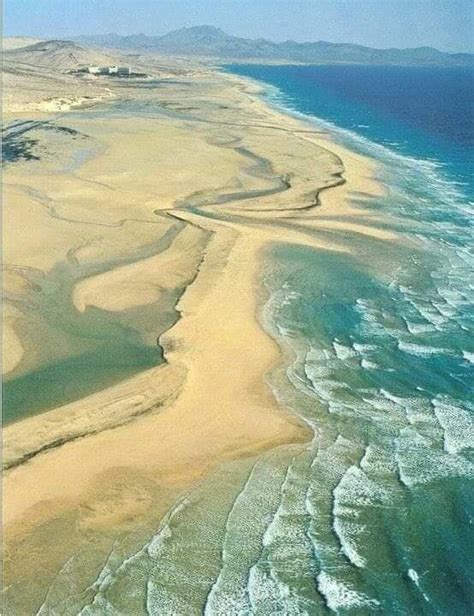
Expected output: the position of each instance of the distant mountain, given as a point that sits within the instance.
(215, 43)
(56, 54)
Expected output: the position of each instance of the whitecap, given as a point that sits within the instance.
(419, 461)
(325, 388)
(419, 328)
(458, 425)
(369, 365)
(160, 600)
(340, 595)
(364, 348)
(342, 351)
(421, 350)
(415, 578)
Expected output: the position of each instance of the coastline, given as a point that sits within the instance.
(172, 425)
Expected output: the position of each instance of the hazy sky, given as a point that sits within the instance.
(446, 24)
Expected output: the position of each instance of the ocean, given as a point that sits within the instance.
(376, 515)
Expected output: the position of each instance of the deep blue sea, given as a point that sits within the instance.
(376, 516)
(415, 111)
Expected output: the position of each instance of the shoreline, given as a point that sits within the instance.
(210, 402)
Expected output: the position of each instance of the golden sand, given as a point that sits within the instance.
(229, 177)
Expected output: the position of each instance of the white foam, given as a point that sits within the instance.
(447, 310)
(372, 317)
(419, 462)
(315, 371)
(100, 605)
(421, 350)
(162, 601)
(325, 388)
(364, 348)
(343, 352)
(114, 565)
(369, 365)
(436, 319)
(378, 461)
(318, 355)
(340, 595)
(418, 410)
(355, 491)
(158, 543)
(413, 575)
(263, 589)
(451, 296)
(384, 408)
(458, 426)
(229, 602)
(348, 533)
(419, 328)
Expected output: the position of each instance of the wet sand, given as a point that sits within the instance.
(222, 178)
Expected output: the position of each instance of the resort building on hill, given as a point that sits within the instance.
(107, 71)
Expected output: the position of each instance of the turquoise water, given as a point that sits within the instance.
(380, 348)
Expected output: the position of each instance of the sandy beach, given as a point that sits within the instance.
(158, 223)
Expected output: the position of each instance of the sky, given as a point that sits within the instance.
(445, 24)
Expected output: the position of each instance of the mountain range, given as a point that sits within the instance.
(213, 42)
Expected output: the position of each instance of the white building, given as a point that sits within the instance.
(99, 70)
(119, 70)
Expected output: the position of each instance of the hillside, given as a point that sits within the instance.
(15, 42)
(215, 43)
(35, 77)
(38, 77)
(56, 54)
